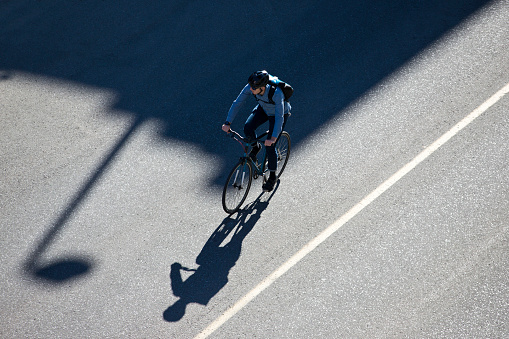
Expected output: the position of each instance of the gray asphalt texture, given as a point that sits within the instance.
(112, 162)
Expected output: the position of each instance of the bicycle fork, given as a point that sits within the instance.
(236, 183)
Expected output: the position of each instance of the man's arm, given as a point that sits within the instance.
(278, 99)
(237, 103)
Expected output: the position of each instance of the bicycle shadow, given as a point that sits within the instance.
(215, 261)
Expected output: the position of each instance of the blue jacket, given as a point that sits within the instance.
(278, 110)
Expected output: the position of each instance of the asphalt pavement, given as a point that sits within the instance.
(112, 162)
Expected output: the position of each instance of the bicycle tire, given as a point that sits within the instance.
(283, 147)
(237, 186)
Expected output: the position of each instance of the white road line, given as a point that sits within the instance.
(325, 234)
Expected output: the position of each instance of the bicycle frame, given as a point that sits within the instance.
(258, 169)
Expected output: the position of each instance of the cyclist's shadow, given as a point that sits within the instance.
(215, 260)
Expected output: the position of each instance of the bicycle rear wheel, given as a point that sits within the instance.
(283, 146)
(237, 186)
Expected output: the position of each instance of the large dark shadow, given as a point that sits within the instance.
(215, 260)
(183, 62)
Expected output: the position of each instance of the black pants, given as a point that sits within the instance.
(257, 118)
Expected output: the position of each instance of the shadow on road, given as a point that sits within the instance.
(184, 62)
(63, 269)
(215, 259)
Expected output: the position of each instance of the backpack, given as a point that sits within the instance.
(286, 88)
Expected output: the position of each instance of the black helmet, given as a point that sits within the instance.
(258, 79)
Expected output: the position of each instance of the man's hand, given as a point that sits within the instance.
(226, 128)
(270, 142)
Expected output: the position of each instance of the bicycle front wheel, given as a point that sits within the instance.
(237, 187)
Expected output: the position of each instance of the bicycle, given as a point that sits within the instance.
(239, 180)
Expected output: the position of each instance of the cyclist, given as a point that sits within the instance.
(275, 112)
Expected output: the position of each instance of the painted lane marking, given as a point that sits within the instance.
(325, 234)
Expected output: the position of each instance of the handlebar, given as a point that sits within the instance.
(232, 134)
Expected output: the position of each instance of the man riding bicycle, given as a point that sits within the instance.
(273, 109)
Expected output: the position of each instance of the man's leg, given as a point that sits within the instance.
(271, 150)
(257, 118)
(272, 156)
